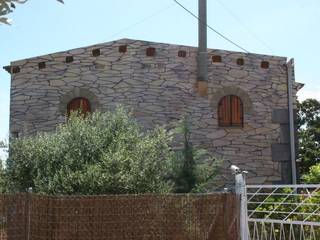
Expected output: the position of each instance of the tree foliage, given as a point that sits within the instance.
(313, 176)
(309, 154)
(194, 167)
(105, 153)
(309, 133)
(7, 6)
(3, 178)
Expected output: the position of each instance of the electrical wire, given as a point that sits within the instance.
(211, 28)
(142, 20)
(195, 16)
(248, 30)
(220, 34)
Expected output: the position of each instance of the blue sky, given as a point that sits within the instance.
(285, 28)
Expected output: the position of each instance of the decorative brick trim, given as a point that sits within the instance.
(216, 59)
(265, 64)
(42, 65)
(96, 52)
(151, 51)
(122, 48)
(240, 61)
(182, 53)
(15, 69)
(69, 59)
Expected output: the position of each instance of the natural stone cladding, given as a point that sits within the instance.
(161, 89)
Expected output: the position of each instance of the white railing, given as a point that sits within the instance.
(282, 212)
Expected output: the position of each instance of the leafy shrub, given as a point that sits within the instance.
(105, 153)
(313, 176)
(195, 168)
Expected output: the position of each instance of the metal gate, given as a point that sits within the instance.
(279, 212)
(284, 212)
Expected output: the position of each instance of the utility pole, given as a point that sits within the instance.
(202, 45)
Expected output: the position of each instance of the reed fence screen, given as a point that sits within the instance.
(136, 217)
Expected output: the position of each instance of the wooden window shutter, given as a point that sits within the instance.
(236, 111)
(224, 111)
(79, 104)
(230, 111)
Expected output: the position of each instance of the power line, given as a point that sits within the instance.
(211, 28)
(220, 34)
(142, 20)
(238, 20)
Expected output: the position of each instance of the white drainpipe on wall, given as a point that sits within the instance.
(290, 69)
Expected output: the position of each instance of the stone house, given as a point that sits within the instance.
(239, 113)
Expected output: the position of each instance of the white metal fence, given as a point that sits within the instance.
(281, 212)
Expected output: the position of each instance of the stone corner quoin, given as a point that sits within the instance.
(158, 82)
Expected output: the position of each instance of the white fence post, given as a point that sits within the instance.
(240, 189)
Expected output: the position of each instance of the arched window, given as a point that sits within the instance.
(230, 111)
(79, 104)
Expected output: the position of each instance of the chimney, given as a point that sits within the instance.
(202, 80)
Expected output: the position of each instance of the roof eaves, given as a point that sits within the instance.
(7, 68)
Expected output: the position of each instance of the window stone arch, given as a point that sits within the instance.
(78, 93)
(225, 91)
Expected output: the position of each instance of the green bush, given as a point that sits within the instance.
(105, 153)
(195, 168)
(313, 176)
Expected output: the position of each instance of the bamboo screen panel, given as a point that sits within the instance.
(174, 217)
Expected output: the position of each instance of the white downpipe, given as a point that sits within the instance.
(290, 69)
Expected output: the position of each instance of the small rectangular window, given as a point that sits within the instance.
(96, 52)
(69, 59)
(216, 59)
(240, 61)
(42, 65)
(265, 64)
(122, 48)
(151, 52)
(182, 53)
(15, 69)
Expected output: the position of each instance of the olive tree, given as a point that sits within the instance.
(103, 153)
(108, 153)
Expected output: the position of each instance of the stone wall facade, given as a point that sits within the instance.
(161, 89)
